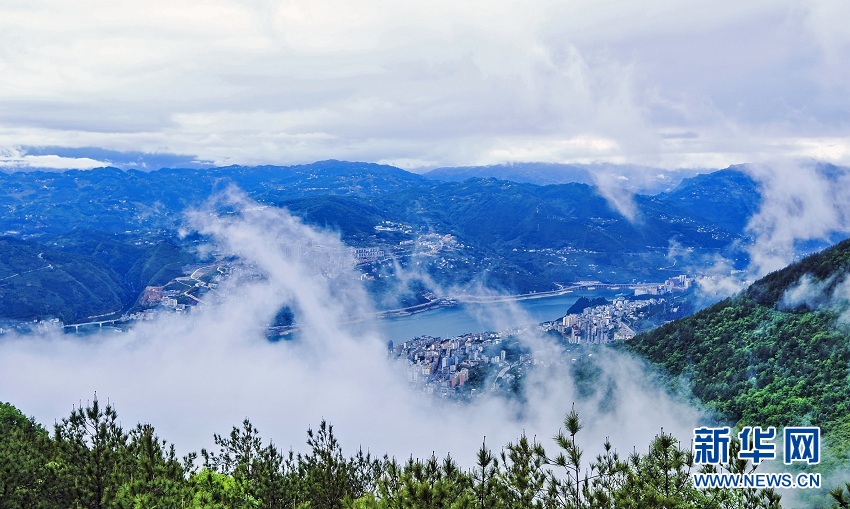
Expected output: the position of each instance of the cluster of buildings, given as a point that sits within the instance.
(461, 365)
(447, 366)
(367, 254)
(422, 243)
(672, 285)
(160, 296)
(604, 323)
(390, 226)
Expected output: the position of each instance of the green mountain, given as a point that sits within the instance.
(776, 354)
(727, 198)
(113, 200)
(563, 233)
(108, 233)
(81, 275)
(37, 282)
(510, 215)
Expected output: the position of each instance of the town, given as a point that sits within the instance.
(462, 365)
(476, 363)
(603, 323)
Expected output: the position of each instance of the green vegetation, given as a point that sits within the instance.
(82, 275)
(757, 361)
(92, 462)
(552, 233)
(39, 281)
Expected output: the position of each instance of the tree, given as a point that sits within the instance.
(261, 475)
(92, 454)
(661, 478)
(156, 478)
(214, 490)
(485, 480)
(328, 478)
(27, 478)
(431, 484)
(841, 496)
(524, 475)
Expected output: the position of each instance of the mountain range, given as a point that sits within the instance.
(514, 236)
(632, 178)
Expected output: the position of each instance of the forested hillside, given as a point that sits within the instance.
(91, 461)
(82, 274)
(776, 354)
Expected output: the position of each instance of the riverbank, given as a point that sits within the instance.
(470, 313)
(486, 314)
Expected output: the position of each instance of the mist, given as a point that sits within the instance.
(831, 293)
(801, 202)
(803, 208)
(201, 373)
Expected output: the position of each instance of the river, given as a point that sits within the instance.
(454, 321)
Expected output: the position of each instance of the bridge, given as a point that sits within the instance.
(76, 326)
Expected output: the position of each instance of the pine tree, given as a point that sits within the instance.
(27, 478)
(261, 475)
(92, 454)
(661, 478)
(569, 490)
(156, 478)
(524, 475)
(328, 479)
(841, 496)
(485, 480)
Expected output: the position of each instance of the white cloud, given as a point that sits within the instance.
(258, 82)
(799, 203)
(14, 159)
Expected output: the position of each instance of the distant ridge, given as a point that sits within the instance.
(529, 173)
(634, 178)
(727, 197)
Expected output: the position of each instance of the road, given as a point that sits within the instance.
(501, 374)
(48, 266)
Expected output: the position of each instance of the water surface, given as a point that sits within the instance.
(454, 321)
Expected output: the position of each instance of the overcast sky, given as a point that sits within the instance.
(424, 84)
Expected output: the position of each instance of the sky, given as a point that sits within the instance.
(667, 84)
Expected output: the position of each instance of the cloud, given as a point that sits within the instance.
(440, 84)
(801, 201)
(803, 208)
(718, 279)
(831, 293)
(611, 187)
(807, 292)
(13, 159)
(195, 375)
